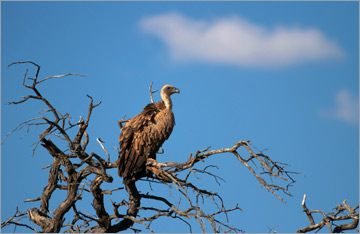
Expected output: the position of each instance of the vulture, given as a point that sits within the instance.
(143, 135)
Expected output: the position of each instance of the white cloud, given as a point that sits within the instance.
(346, 108)
(239, 42)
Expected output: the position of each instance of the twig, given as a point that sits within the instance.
(13, 220)
(100, 142)
(151, 92)
(59, 76)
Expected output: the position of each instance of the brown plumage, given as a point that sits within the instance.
(144, 134)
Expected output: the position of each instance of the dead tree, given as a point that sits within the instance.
(72, 167)
(331, 220)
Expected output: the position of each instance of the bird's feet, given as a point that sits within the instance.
(154, 167)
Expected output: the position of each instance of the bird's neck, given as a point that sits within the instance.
(167, 101)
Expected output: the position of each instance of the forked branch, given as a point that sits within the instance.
(266, 164)
(331, 220)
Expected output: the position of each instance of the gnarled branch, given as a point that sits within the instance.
(330, 218)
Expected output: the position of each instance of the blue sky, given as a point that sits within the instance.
(284, 75)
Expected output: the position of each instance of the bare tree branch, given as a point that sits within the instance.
(151, 92)
(59, 76)
(102, 146)
(15, 220)
(330, 218)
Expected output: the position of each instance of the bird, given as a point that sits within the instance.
(143, 135)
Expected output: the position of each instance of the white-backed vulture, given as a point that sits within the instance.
(143, 135)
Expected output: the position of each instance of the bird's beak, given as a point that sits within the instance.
(177, 90)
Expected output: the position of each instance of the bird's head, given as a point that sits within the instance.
(167, 90)
(165, 93)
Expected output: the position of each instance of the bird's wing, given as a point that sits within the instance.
(136, 140)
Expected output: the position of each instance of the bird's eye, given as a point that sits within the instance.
(168, 87)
